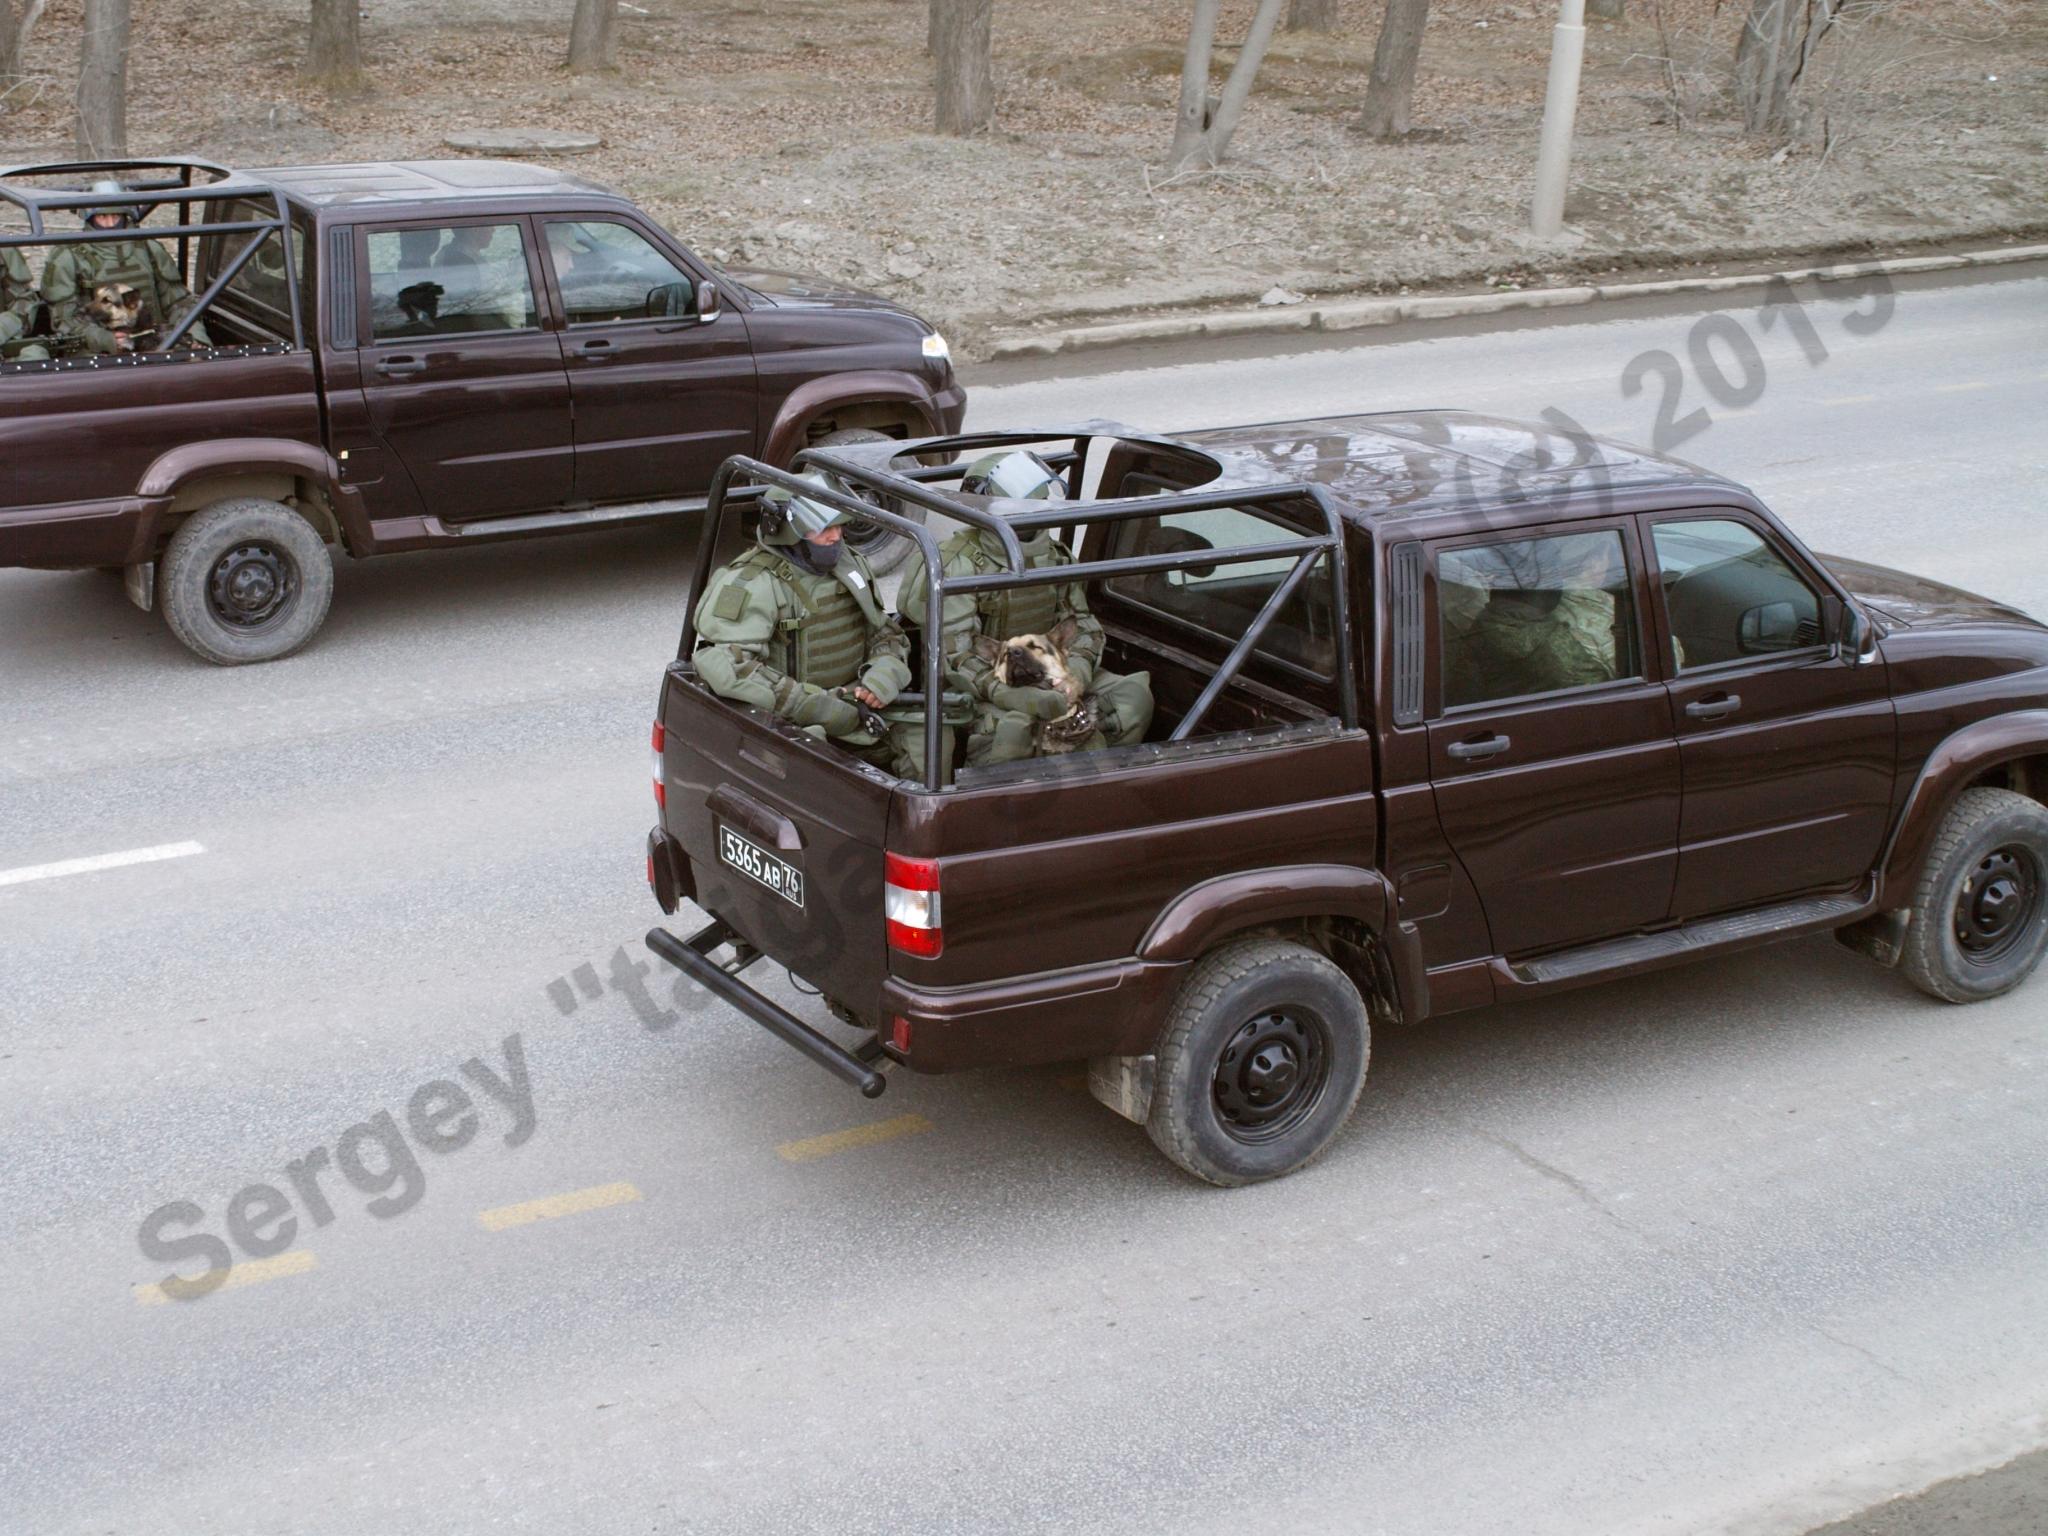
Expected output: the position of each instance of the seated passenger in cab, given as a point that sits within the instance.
(1011, 722)
(87, 285)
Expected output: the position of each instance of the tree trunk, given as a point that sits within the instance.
(1201, 133)
(334, 51)
(966, 98)
(1604, 10)
(1777, 43)
(593, 43)
(1312, 16)
(17, 26)
(932, 12)
(1391, 86)
(103, 81)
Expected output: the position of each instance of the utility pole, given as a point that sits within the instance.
(1560, 106)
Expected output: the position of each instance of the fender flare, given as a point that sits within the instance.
(808, 401)
(1205, 915)
(252, 456)
(1962, 757)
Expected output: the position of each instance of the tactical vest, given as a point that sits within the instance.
(122, 261)
(1018, 610)
(825, 636)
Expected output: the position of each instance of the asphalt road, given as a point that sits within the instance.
(1745, 1247)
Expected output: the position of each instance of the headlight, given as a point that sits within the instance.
(935, 346)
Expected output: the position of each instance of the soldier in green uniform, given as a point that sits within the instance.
(17, 306)
(793, 627)
(1005, 728)
(1548, 632)
(75, 270)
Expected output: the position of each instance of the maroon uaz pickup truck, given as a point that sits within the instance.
(1450, 711)
(411, 356)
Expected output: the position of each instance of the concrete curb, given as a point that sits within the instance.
(1351, 314)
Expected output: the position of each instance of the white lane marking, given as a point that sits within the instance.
(99, 861)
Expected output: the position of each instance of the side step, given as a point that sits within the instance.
(583, 517)
(1613, 956)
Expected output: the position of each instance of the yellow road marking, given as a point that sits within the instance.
(813, 1147)
(553, 1206)
(1957, 389)
(249, 1272)
(1849, 400)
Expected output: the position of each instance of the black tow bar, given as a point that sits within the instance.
(692, 956)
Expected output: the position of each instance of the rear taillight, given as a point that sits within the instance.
(910, 904)
(660, 790)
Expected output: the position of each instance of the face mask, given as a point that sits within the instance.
(820, 558)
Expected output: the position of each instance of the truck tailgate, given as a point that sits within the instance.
(784, 838)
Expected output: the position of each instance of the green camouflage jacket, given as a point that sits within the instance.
(75, 270)
(1000, 615)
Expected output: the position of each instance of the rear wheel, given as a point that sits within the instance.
(245, 580)
(1263, 1058)
(1980, 912)
(882, 550)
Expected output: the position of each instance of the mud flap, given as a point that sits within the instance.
(1124, 1083)
(140, 580)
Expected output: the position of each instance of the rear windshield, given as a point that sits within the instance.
(1223, 600)
(258, 291)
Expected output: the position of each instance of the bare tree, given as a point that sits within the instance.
(334, 50)
(1779, 39)
(593, 42)
(103, 81)
(1604, 10)
(1201, 133)
(966, 97)
(1391, 86)
(1312, 16)
(17, 26)
(931, 25)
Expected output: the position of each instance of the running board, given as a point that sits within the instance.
(584, 517)
(1763, 925)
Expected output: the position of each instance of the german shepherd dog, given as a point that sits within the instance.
(1040, 661)
(120, 308)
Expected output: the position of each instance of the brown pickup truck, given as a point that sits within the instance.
(410, 356)
(1451, 711)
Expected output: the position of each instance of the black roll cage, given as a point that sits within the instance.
(874, 468)
(174, 181)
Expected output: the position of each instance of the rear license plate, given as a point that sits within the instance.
(761, 866)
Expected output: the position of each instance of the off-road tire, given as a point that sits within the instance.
(1229, 991)
(211, 583)
(1989, 834)
(882, 550)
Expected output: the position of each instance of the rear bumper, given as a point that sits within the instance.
(1099, 1010)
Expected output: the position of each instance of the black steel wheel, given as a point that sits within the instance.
(1980, 911)
(1262, 1059)
(245, 580)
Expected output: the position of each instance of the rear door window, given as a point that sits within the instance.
(1527, 617)
(440, 280)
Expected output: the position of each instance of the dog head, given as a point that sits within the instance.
(421, 301)
(1033, 661)
(117, 306)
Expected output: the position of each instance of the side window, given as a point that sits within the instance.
(611, 272)
(1224, 599)
(1729, 595)
(448, 280)
(1535, 616)
(260, 284)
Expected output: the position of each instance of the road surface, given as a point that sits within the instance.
(1744, 1248)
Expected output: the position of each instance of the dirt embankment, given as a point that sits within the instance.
(795, 133)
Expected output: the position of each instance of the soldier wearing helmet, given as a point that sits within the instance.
(1006, 726)
(74, 271)
(793, 627)
(17, 306)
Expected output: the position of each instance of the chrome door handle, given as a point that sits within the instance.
(1716, 708)
(1474, 751)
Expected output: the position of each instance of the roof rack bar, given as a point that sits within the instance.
(1139, 565)
(141, 232)
(1235, 661)
(213, 291)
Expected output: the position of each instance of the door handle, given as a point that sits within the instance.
(598, 351)
(400, 367)
(1717, 708)
(1474, 751)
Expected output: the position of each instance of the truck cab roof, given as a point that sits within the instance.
(416, 183)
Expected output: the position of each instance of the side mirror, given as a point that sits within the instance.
(1768, 627)
(1856, 633)
(707, 301)
(671, 301)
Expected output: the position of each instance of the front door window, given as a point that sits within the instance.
(609, 272)
(1730, 596)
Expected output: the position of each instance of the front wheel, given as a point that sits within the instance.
(1980, 912)
(882, 550)
(245, 580)
(1263, 1058)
